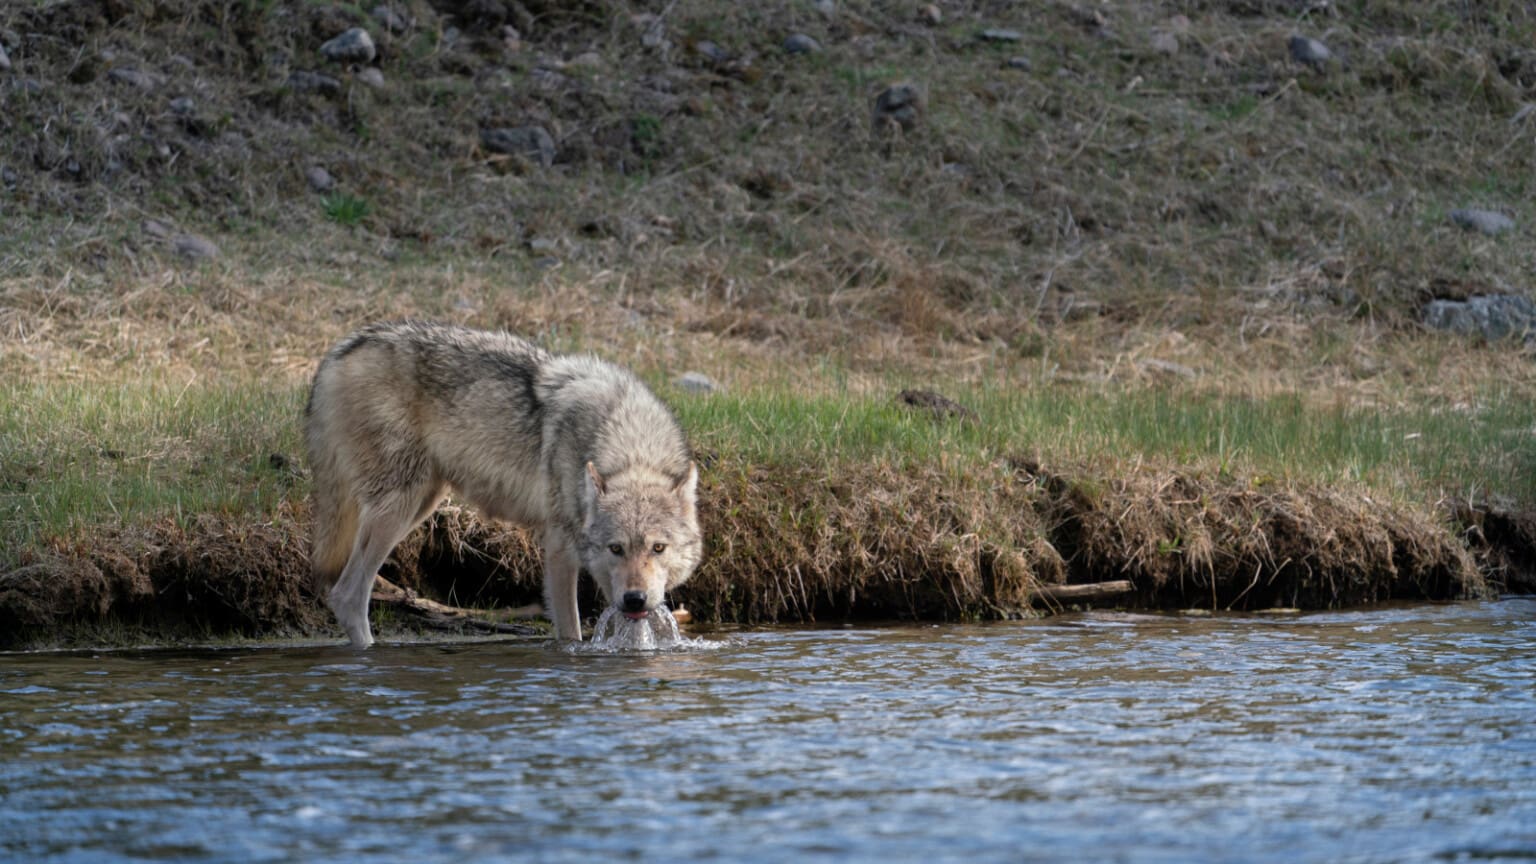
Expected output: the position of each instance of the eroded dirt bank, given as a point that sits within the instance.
(796, 548)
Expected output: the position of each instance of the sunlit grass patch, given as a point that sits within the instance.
(85, 455)
(1413, 454)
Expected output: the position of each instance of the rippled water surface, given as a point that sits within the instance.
(1397, 735)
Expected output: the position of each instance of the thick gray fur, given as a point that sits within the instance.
(402, 412)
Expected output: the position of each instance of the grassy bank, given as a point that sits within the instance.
(1175, 274)
(824, 500)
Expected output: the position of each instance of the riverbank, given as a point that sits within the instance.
(1186, 284)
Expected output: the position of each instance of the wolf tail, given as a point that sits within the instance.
(333, 533)
(335, 511)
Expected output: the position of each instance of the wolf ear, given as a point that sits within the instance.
(595, 480)
(592, 489)
(687, 488)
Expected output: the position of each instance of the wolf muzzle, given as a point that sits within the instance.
(632, 604)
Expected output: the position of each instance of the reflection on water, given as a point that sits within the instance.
(1399, 735)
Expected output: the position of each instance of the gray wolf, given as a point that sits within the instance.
(402, 412)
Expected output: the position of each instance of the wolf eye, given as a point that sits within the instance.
(616, 549)
(658, 548)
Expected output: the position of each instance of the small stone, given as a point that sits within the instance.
(543, 246)
(351, 46)
(183, 105)
(799, 43)
(390, 20)
(1309, 51)
(193, 247)
(373, 76)
(319, 179)
(697, 382)
(587, 60)
(156, 229)
(1167, 367)
(712, 52)
(930, 15)
(1483, 221)
(131, 77)
(999, 34)
(653, 29)
(939, 406)
(1165, 43)
(827, 8)
(304, 81)
(1020, 62)
(528, 141)
(900, 105)
(1492, 316)
(8, 177)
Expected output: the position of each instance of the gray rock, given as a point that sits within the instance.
(653, 29)
(697, 382)
(799, 43)
(1020, 62)
(827, 8)
(1309, 51)
(930, 15)
(304, 81)
(899, 105)
(1484, 221)
(373, 76)
(1167, 367)
(390, 20)
(319, 179)
(712, 52)
(156, 229)
(193, 247)
(1492, 316)
(937, 405)
(999, 34)
(131, 77)
(182, 106)
(350, 46)
(528, 141)
(8, 177)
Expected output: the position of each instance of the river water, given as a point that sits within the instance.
(1393, 735)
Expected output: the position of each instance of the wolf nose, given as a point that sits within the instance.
(634, 601)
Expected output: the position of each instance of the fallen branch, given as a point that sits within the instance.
(1086, 593)
(440, 616)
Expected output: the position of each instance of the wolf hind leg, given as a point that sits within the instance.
(382, 524)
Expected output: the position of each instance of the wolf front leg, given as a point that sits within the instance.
(562, 569)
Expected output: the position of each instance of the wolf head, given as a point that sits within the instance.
(641, 535)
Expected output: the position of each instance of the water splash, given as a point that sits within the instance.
(658, 631)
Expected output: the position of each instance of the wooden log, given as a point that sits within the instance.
(440, 616)
(1085, 593)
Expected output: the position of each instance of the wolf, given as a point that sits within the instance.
(400, 413)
